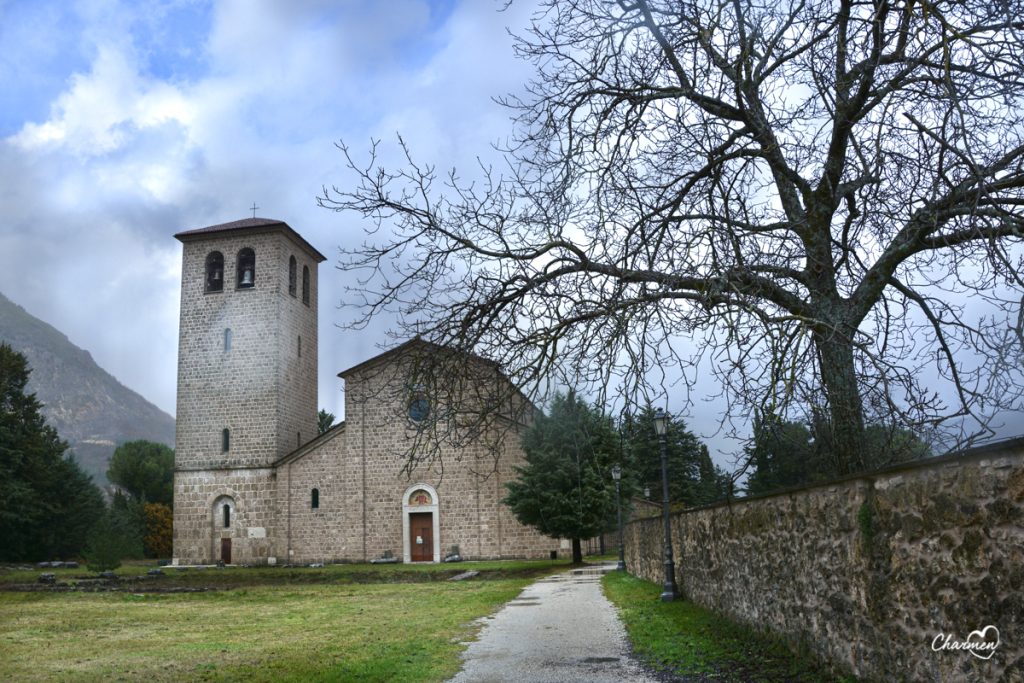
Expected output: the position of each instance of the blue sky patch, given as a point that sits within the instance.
(172, 44)
(39, 50)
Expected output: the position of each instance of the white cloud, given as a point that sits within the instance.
(124, 158)
(104, 109)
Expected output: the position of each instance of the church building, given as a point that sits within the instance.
(255, 483)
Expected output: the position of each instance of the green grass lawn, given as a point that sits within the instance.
(336, 624)
(695, 644)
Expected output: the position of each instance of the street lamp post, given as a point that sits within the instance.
(661, 427)
(617, 475)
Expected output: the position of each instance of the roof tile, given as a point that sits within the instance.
(260, 224)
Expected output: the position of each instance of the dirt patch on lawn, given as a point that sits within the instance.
(193, 580)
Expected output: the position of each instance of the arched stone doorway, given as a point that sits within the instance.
(224, 520)
(421, 537)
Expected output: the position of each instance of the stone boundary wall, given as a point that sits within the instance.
(868, 572)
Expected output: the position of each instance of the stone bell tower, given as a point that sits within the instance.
(247, 382)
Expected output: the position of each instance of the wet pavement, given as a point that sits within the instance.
(558, 630)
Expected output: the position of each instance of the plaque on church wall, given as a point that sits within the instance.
(257, 532)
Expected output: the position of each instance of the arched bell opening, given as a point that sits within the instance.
(214, 271)
(246, 269)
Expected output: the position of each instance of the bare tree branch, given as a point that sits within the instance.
(826, 197)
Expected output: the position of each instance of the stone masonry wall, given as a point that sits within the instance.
(358, 472)
(867, 572)
(219, 388)
(263, 388)
(333, 531)
(297, 364)
(260, 387)
(198, 517)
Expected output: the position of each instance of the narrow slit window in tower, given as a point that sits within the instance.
(225, 440)
(291, 275)
(227, 339)
(300, 346)
(227, 515)
(305, 285)
(315, 499)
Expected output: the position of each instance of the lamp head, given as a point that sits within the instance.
(660, 422)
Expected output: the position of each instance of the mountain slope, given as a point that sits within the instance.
(89, 408)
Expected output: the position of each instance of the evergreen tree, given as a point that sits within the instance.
(693, 479)
(112, 538)
(566, 490)
(46, 502)
(782, 454)
(714, 484)
(81, 504)
(128, 515)
(785, 453)
(324, 421)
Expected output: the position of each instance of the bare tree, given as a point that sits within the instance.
(826, 195)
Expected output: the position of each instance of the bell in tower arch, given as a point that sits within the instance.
(246, 273)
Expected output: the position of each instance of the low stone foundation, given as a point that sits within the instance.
(886, 575)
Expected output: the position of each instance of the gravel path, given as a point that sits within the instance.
(560, 629)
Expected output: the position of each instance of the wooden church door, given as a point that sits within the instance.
(421, 536)
(225, 550)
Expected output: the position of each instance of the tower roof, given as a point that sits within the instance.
(249, 225)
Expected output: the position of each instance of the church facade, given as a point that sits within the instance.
(255, 483)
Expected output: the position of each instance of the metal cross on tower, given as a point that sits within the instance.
(253, 209)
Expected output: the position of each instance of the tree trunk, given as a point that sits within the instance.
(577, 551)
(846, 412)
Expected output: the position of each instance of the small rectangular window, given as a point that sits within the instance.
(227, 516)
(315, 499)
(300, 346)
(227, 339)
(225, 441)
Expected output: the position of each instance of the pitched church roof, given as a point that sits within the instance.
(414, 343)
(256, 225)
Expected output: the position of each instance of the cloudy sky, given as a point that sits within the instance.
(123, 123)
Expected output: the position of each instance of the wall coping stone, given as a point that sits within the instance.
(951, 459)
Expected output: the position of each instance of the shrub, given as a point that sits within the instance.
(111, 539)
(159, 530)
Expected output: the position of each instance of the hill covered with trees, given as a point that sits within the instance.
(88, 407)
